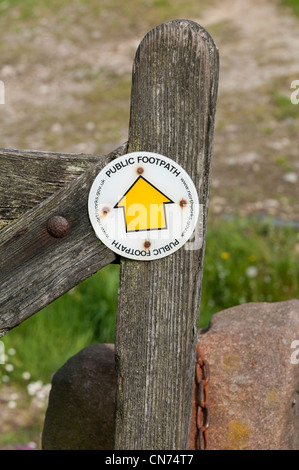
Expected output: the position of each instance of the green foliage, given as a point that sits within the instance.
(283, 107)
(245, 261)
(84, 315)
(293, 4)
(248, 261)
(111, 13)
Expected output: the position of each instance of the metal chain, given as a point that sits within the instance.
(202, 377)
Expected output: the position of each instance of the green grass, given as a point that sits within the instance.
(245, 261)
(248, 261)
(84, 315)
(29, 9)
(133, 16)
(283, 107)
(293, 4)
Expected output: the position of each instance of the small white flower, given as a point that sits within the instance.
(9, 367)
(5, 378)
(40, 395)
(32, 444)
(251, 271)
(11, 351)
(26, 375)
(11, 404)
(34, 387)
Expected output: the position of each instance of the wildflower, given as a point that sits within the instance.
(5, 378)
(225, 255)
(12, 404)
(222, 274)
(34, 387)
(26, 375)
(9, 367)
(41, 395)
(251, 272)
(32, 445)
(11, 351)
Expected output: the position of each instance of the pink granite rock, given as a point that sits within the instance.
(254, 388)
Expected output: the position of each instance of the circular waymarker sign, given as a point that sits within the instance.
(143, 206)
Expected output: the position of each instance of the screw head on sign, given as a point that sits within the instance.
(58, 226)
(183, 203)
(147, 244)
(105, 210)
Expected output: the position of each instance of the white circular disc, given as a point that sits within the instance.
(143, 206)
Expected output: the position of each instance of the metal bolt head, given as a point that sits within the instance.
(58, 226)
(183, 203)
(147, 244)
(105, 210)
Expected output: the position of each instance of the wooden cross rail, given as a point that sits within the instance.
(173, 102)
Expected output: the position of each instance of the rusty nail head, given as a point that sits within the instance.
(140, 170)
(147, 244)
(183, 203)
(106, 210)
(58, 226)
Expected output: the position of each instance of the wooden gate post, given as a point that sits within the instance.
(174, 91)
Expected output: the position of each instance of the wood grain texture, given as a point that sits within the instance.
(36, 267)
(174, 90)
(29, 177)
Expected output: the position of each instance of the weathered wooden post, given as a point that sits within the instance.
(174, 90)
(48, 246)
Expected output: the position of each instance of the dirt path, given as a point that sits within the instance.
(62, 87)
(256, 163)
(263, 44)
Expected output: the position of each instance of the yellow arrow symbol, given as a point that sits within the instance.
(143, 206)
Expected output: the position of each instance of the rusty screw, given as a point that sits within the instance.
(140, 170)
(147, 244)
(105, 210)
(183, 203)
(58, 226)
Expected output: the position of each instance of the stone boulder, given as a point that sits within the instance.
(254, 387)
(80, 414)
(253, 393)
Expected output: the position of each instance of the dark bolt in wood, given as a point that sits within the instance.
(58, 226)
